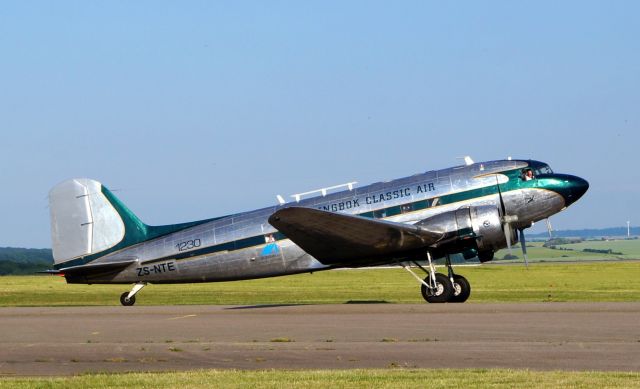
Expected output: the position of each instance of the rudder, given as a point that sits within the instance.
(83, 220)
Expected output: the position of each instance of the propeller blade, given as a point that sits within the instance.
(502, 208)
(506, 219)
(507, 235)
(523, 244)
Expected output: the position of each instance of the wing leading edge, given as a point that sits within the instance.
(334, 238)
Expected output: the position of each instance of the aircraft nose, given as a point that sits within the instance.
(580, 187)
(573, 188)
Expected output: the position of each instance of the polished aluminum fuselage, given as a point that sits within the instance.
(221, 254)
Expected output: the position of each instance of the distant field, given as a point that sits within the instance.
(609, 281)
(359, 378)
(630, 249)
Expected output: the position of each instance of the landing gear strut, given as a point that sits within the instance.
(129, 298)
(440, 288)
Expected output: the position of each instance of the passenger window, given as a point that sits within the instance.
(380, 213)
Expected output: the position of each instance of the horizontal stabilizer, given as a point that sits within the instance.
(334, 238)
(92, 268)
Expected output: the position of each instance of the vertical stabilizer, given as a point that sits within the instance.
(83, 221)
(87, 219)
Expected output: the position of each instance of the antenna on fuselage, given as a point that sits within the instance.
(280, 199)
(324, 191)
(467, 160)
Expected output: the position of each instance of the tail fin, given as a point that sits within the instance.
(86, 219)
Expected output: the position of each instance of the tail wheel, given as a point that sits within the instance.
(462, 289)
(127, 301)
(441, 292)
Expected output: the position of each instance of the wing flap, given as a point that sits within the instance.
(334, 238)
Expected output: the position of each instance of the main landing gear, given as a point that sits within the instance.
(440, 288)
(129, 298)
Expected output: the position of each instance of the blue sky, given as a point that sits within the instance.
(197, 109)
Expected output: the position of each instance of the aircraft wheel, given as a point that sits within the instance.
(127, 302)
(441, 293)
(485, 256)
(461, 289)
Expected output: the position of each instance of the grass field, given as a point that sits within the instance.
(369, 378)
(541, 282)
(629, 249)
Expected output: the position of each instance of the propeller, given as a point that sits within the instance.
(507, 233)
(523, 244)
(506, 227)
(506, 219)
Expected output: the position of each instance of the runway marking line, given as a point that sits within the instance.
(181, 317)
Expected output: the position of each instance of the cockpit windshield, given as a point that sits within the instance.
(534, 170)
(545, 169)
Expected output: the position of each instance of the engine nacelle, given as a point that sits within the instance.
(471, 228)
(487, 226)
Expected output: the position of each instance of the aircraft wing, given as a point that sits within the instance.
(334, 238)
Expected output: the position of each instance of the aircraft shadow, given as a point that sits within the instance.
(259, 306)
(266, 306)
(367, 302)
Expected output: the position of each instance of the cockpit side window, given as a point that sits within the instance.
(527, 174)
(534, 170)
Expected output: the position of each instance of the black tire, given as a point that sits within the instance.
(443, 290)
(461, 289)
(127, 302)
(485, 256)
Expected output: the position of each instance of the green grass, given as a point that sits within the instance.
(612, 281)
(360, 378)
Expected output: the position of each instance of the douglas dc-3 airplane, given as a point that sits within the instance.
(473, 209)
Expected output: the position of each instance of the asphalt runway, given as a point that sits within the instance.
(544, 336)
